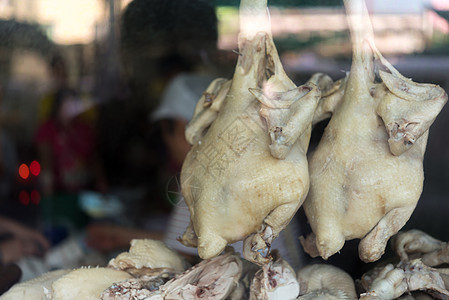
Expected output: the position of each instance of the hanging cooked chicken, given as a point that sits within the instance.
(367, 173)
(246, 174)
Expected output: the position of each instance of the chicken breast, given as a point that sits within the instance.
(246, 173)
(366, 173)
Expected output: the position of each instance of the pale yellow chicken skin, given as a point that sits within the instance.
(367, 173)
(247, 173)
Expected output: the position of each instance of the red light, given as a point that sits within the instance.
(35, 197)
(24, 172)
(24, 197)
(35, 168)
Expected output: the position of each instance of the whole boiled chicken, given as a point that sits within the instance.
(367, 173)
(246, 173)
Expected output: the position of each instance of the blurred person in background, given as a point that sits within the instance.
(171, 117)
(59, 77)
(58, 70)
(166, 49)
(8, 159)
(158, 40)
(191, 27)
(170, 120)
(16, 239)
(67, 148)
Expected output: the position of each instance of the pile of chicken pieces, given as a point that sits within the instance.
(152, 271)
(421, 258)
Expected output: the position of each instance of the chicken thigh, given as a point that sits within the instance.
(366, 174)
(246, 173)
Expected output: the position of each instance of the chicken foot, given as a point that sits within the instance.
(257, 246)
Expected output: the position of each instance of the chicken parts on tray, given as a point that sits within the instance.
(246, 174)
(275, 280)
(391, 281)
(147, 254)
(415, 243)
(366, 174)
(215, 278)
(325, 282)
(420, 255)
(83, 283)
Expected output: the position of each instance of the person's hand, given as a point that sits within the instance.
(14, 249)
(32, 241)
(28, 235)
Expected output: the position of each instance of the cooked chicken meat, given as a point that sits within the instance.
(391, 282)
(213, 279)
(35, 289)
(148, 254)
(210, 279)
(139, 288)
(416, 296)
(415, 243)
(245, 177)
(275, 280)
(366, 173)
(131, 289)
(326, 282)
(85, 283)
